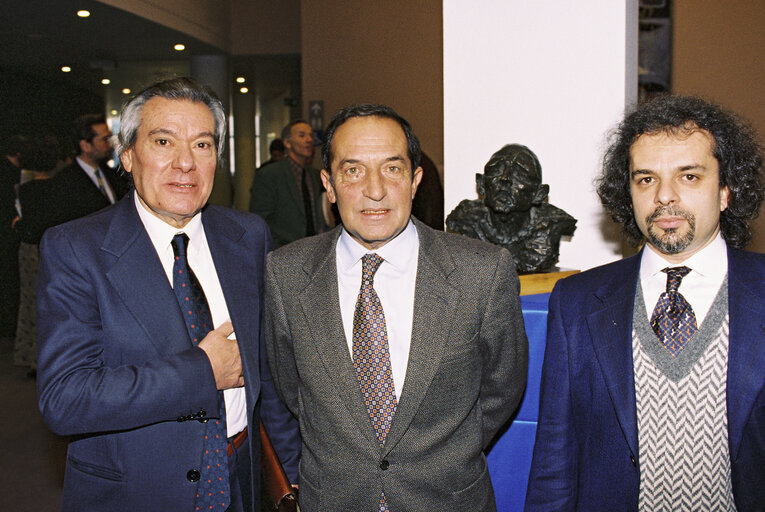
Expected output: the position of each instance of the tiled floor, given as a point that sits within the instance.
(31, 457)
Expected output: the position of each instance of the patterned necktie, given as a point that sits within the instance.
(673, 319)
(213, 492)
(371, 356)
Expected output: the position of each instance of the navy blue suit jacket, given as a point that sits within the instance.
(586, 451)
(117, 369)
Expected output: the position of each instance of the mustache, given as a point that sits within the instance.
(669, 211)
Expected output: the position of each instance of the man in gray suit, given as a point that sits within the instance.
(399, 385)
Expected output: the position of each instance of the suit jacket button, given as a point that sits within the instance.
(193, 475)
(632, 460)
(384, 465)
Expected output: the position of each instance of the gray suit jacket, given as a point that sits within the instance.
(465, 377)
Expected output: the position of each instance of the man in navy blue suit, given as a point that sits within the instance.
(653, 384)
(118, 368)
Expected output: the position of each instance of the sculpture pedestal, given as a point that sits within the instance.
(542, 283)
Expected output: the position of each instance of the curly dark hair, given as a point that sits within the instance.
(736, 149)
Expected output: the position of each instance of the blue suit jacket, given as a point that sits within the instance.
(586, 451)
(117, 369)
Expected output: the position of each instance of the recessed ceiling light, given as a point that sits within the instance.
(125, 91)
(114, 112)
(240, 79)
(82, 13)
(105, 81)
(66, 69)
(244, 90)
(179, 47)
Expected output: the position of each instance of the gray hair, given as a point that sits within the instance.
(180, 88)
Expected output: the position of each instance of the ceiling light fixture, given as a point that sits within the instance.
(66, 69)
(105, 81)
(244, 90)
(82, 13)
(240, 79)
(179, 47)
(125, 91)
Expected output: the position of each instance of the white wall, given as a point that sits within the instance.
(552, 75)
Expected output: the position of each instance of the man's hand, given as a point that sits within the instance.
(223, 354)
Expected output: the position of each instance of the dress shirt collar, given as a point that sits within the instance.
(89, 169)
(161, 233)
(711, 262)
(294, 165)
(91, 172)
(401, 252)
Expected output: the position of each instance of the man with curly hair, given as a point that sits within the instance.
(653, 384)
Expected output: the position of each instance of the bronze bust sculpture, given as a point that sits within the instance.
(513, 212)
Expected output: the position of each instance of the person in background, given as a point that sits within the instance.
(10, 175)
(287, 194)
(39, 162)
(276, 152)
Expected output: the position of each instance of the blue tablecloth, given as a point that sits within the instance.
(510, 457)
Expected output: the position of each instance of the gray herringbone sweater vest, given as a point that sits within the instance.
(682, 417)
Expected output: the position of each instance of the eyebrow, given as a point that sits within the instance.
(165, 131)
(682, 168)
(395, 158)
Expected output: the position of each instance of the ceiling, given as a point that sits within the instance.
(38, 37)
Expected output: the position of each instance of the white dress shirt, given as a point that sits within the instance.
(394, 283)
(200, 261)
(708, 269)
(91, 172)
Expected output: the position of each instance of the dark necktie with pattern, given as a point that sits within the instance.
(371, 356)
(673, 319)
(310, 228)
(213, 492)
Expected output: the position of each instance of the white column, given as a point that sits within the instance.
(552, 75)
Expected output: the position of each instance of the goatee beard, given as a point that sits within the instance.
(669, 241)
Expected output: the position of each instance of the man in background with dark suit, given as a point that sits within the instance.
(150, 334)
(287, 194)
(653, 383)
(88, 184)
(400, 349)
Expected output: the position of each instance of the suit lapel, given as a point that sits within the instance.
(436, 300)
(139, 279)
(746, 351)
(289, 179)
(321, 306)
(610, 326)
(224, 236)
